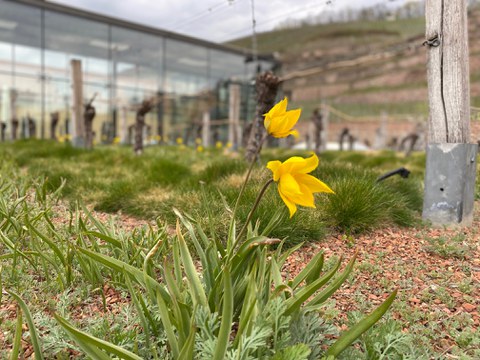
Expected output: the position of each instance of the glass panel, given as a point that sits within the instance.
(226, 66)
(186, 67)
(137, 59)
(57, 99)
(186, 81)
(68, 37)
(28, 105)
(20, 25)
(6, 51)
(5, 88)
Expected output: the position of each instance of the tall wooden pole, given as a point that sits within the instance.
(448, 71)
(451, 160)
(78, 129)
(234, 133)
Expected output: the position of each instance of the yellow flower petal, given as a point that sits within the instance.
(313, 184)
(274, 166)
(299, 165)
(289, 120)
(278, 109)
(305, 198)
(288, 186)
(295, 186)
(292, 208)
(279, 122)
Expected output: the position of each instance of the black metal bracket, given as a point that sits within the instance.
(432, 42)
(400, 171)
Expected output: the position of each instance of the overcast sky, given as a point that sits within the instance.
(215, 20)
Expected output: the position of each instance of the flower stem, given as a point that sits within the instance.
(255, 205)
(249, 172)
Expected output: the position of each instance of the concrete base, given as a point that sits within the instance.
(450, 184)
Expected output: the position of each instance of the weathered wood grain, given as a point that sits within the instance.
(448, 71)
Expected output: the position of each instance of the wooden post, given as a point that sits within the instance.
(451, 160)
(381, 133)
(77, 129)
(123, 126)
(13, 113)
(234, 115)
(325, 123)
(206, 128)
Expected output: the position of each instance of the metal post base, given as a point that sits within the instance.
(450, 184)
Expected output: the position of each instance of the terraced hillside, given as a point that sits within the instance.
(362, 68)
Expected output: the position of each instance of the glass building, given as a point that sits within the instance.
(122, 63)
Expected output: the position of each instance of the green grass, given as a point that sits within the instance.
(114, 179)
(51, 274)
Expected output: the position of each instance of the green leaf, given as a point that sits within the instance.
(92, 345)
(245, 322)
(294, 303)
(49, 242)
(227, 316)
(106, 238)
(188, 346)
(18, 337)
(31, 326)
(140, 311)
(309, 272)
(327, 292)
(348, 337)
(194, 282)
(167, 325)
(206, 265)
(121, 266)
(294, 352)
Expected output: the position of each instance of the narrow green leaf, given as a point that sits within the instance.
(13, 247)
(294, 303)
(31, 326)
(227, 316)
(139, 308)
(182, 319)
(167, 325)
(277, 277)
(120, 266)
(17, 341)
(198, 293)
(189, 345)
(274, 221)
(327, 292)
(249, 303)
(283, 256)
(97, 223)
(313, 269)
(348, 337)
(94, 345)
(106, 238)
(206, 265)
(49, 242)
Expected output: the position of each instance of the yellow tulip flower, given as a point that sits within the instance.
(279, 122)
(295, 186)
